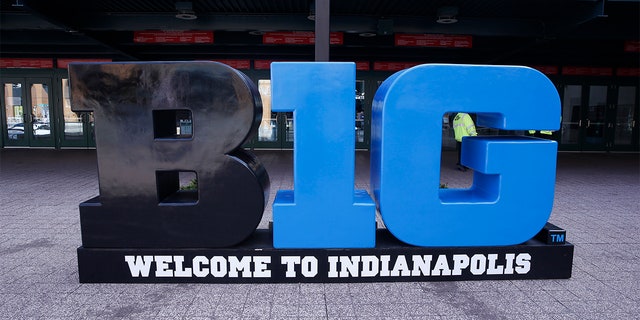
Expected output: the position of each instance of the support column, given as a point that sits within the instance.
(322, 30)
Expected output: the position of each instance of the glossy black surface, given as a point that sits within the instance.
(138, 167)
(545, 261)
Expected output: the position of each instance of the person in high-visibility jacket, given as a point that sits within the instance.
(543, 133)
(463, 126)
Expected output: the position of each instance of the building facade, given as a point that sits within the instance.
(590, 51)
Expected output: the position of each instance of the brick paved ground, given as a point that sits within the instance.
(597, 202)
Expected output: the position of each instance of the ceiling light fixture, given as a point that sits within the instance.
(185, 11)
(312, 11)
(447, 15)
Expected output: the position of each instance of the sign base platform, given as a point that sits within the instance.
(256, 261)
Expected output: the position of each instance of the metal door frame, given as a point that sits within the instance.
(87, 140)
(27, 81)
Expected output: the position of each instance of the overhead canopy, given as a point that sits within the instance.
(576, 32)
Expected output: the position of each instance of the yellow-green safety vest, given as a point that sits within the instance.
(463, 126)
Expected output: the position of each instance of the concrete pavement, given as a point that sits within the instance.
(597, 200)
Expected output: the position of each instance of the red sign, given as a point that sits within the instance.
(64, 63)
(25, 63)
(266, 65)
(173, 36)
(393, 66)
(587, 71)
(299, 37)
(547, 69)
(433, 40)
(632, 46)
(236, 63)
(628, 72)
(363, 65)
(262, 64)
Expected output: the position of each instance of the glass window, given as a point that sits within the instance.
(571, 105)
(73, 129)
(595, 119)
(359, 111)
(625, 115)
(14, 111)
(268, 129)
(172, 124)
(41, 120)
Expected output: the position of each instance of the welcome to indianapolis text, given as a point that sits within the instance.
(335, 266)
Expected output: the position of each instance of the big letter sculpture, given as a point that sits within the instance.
(323, 210)
(159, 122)
(138, 109)
(512, 193)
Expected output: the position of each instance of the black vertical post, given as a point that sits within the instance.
(322, 30)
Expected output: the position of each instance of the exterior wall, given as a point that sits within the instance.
(617, 110)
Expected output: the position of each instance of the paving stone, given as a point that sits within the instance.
(596, 202)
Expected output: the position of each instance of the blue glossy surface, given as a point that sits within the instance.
(514, 177)
(323, 210)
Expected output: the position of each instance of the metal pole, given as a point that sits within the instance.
(322, 30)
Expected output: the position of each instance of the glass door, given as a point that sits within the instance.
(270, 133)
(288, 129)
(27, 117)
(570, 129)
(77, 129)
(277, 129)
(13, 114)
(584, 118)
(624, 127)
(360, 126)
(595, 119)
